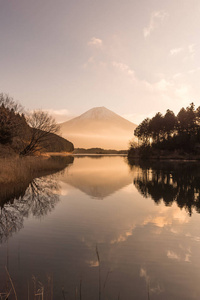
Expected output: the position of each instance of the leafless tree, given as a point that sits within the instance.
(43, 126)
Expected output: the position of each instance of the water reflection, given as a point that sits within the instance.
(9, 192)
(144, 248)
(170, 182)
(37, 198)
(98, 176)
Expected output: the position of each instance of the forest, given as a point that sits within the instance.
(170, 133)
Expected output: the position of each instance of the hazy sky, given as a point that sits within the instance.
(135, 57)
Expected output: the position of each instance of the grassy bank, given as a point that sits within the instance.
(17, 173)
(16, 169)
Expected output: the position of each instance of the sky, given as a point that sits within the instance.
(134, 57)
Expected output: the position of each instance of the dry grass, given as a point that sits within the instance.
(16, 169)
(17, 173)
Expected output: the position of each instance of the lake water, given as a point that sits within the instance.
(104, 229)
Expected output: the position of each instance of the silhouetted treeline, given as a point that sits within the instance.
(170, 182)
(170, 132)
(98, 151)
(12, 124)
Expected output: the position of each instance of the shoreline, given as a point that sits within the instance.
(15, 169)
(188, 158)
(17, 173)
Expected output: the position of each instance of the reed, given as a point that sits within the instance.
(98, 258)
(16, 169)
(11, 283)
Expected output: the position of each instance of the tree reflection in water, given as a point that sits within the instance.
(39, 199)
(170, 181)
(37, 196)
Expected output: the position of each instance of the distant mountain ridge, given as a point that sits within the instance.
(98, 127)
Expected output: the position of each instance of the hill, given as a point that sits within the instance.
(57, 143)
(99, 127)
(15, 133)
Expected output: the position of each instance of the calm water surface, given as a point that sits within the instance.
(143, 219)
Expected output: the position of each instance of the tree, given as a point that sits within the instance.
(142, 131)
(170, 122)
(191, 118)
(12, 120)
(187, 119)
(170, 132)
(10, 104)
(5, 125)
(156, 126)
(42, 127)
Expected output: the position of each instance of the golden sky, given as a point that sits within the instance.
(134, 57)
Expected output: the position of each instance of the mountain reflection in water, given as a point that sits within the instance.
(171, 182)
(98, 176)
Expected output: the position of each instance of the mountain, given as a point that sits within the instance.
(98, 127)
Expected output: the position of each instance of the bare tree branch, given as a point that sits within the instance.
(43, 126)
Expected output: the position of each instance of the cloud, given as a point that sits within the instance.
(93, 263)
(95, 42)
(175, 51)
(143, 273)
(166, 89)
(171, 91)
(191, 48)
(173, 255)
(177, 75)
(162, 85)
(123, 67)
(182, 91)
(59, 112)
(123, 237)
(167, 217)
(191, 51)
(156, 18)
(89, 62)
(60, 115)
(153, 287)
(187, 257)
(184, 255)
(138, 118)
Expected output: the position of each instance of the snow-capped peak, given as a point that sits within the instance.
(98, 113)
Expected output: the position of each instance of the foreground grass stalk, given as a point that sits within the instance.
(11, 282)
(98, 258)
(148, 290)
(80, 289)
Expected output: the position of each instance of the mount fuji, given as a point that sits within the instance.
(99, 127)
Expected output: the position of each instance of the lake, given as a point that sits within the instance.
(104, 229)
